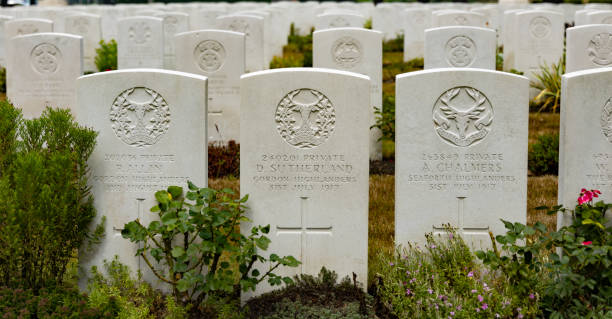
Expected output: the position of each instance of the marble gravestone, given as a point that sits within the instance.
(140, 43)
(151, 128)
(355, 50)
(460, 47)
(87, 26)
(538, 40)
(585, 139)
(507, 38)
(41, 71)
(461, 153)
(205, 19)
(18, 27)
(588, 47)
(444, 18)
(174, 23)
(219, 55)
(3, 39)
(303, 176)
(599, 17)
(416, 20)
(253, 29)
(339, 20)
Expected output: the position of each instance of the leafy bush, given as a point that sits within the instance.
(314, 297)
(368, 24)
(45, 203)
(287, 62)
(385, 118)
(106, 56)
(442, 280)
(2, 80)
(224, 160)
(544, 155)
(394, 45)
(574, 284)
(120, 296)
(549, 84)
(48, 303)
(391, 69)
(190, 237)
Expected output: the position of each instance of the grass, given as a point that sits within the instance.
(542, 123)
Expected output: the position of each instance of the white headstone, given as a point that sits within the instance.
(174, 23)
(508, 37)
(252, 27)
(585, 139)
(140, 43)
(18, 27)
(3, 40)
(355, 50)
(41, 71)
(538, 40)
(461, 153)
(339, 20)
(599, 17)
(87, 26)
(151, 128)
(416, 20)
(387, 19)
(304, 164)
(205, 19)
(219, 55)
(460, 47)
(445, 18)
(588, 47)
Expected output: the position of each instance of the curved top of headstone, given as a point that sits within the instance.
(349, 29)
(47, 34)
(460, 27)
(143, 70)
(217, 31)
(459, 71)
(588, 72)
(305, 70)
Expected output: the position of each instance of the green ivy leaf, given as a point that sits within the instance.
(162, 197)
(178, 251)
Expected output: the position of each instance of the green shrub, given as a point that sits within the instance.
(574, 284)
(118, 295)
(391, 69)
(106, 56)
(499, 59)
(2, 80)
(224, 160)
(45, 203)
(385, 118)
(292, 61)
(544, 155)
(442, 280)
(368, 24)
(48, 303)
(549, 84)
(314, 297)
(189, 237)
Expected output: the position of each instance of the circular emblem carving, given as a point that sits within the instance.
(339, 22)
(600, 49)
(606, 120)
(346, 52)
(305, 118)
(460, 51)
(607, 20)
(461, 20)
(27, 28)
(209, 55)
(140, 116)
(462, 116)
(45, 58)
(80, 25)
(170, 24)
(140, 32)
(240, 25)
(539, 27)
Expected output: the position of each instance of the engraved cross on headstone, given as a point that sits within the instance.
(303, 230)
(467, 232)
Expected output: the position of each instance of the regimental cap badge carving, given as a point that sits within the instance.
(209, 55)
(347, 52)
(339, 22)
(240, 25)
(140, 116)
(606, 120)
(539, 27)
(27, 28)
(460, 51)
(600, 49)
(140, 32)
(462, 116)
(305, 118)
(45, 58)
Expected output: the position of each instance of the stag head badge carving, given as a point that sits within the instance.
(305, 118)
(606, 120)
(140, 116)
(600, 49)
(462, 116)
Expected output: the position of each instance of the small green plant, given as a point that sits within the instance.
(287, 62)
(441, 280)
(394, 45)
(204, 234)
(52, 302)
(368, 24)
(385, 118)
(499, 59)
(314, 297)
(549, 84)
(106, 56)
(573, 284)
(2, 80)
(118, 295)
(544, 155)
(45, 202)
